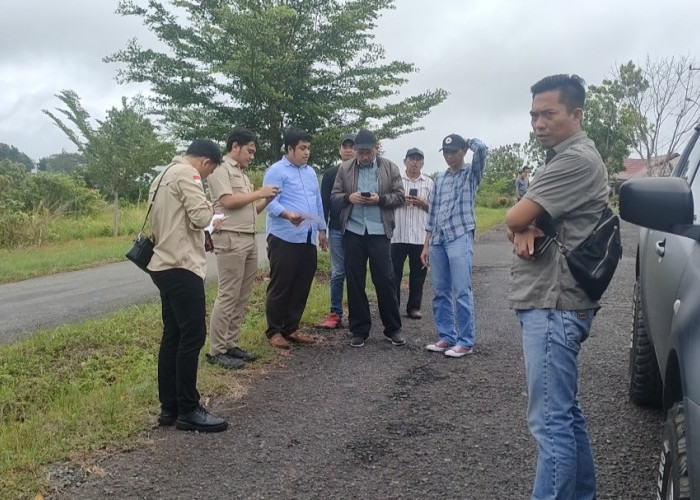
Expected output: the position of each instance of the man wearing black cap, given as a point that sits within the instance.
(448, 248)
(409, 233)
(335, 234)
(367, 189)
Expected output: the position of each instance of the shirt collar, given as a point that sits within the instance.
(288, 163)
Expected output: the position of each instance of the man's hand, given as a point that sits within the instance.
(268, 191)
(357, 199)
(417, 201)
(424, 256)
(322, 240)
(524, 242)
(292, 217)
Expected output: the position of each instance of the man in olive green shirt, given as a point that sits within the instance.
(569, 193)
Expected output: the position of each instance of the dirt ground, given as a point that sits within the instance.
(331, 421)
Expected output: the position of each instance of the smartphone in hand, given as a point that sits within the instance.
(366, 194)
(413, 192)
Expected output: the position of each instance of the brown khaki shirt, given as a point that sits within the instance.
(180, 213)
(573, 189)
(229, 178)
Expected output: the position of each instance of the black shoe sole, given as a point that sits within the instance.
(190, 426)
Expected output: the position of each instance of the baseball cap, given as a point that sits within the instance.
(347, 137)
(414, 152)
(453, 142)
(365, 139)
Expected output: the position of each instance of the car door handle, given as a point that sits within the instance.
(661, 247)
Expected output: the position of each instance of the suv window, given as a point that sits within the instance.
(688, 168)
(690, 173)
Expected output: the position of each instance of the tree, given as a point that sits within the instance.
(503, 165)
(268, 64)
(611, 123)
(123, 147)
(64, 162)
(13, 154)
(665, 96)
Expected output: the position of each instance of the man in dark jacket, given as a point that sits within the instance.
(367, 189)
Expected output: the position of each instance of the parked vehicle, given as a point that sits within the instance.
(664, 369)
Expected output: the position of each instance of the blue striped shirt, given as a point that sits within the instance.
(451, 213)
(300, 193)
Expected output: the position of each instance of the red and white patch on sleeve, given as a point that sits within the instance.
(197, 180)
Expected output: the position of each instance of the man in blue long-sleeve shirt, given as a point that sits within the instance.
(294, 222)
(448, 247)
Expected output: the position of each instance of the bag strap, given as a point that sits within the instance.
(563, 248)
(150, 205)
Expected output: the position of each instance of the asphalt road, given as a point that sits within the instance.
(63, 298)
(331, 421)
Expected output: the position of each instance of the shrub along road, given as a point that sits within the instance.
(331, 421)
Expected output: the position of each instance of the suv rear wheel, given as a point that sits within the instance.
(645, 380)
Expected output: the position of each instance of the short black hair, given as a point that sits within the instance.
(572, 92)
(240, 136)
(204, 148)
(292, 137)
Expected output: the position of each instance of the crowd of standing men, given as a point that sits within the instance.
(376, 214)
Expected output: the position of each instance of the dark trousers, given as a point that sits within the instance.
(292, 269)
(184, 328)
(377, 249)
(416, 275)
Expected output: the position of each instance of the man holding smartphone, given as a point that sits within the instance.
(409, 233)
(367, 189)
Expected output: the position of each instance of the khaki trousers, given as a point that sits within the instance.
(237, 261)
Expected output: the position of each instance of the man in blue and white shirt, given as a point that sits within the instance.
(449, 241)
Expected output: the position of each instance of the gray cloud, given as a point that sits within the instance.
(486, 53)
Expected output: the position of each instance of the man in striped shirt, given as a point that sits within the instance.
(409, 233)
(448, 248)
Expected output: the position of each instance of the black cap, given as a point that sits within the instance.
(347, 137)
(365, 139)
(415, 152)
(453, 142)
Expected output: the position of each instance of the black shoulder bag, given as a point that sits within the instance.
(594, 261)
(141, 251)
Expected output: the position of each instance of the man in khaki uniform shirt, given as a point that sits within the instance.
(235, 247)
(179, 213)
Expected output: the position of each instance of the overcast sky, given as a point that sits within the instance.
(485, 53)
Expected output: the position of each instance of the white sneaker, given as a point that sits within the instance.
(439, 346)
(458, 351)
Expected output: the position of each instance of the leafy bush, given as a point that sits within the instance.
(58, 193)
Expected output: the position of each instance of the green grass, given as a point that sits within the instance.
(21, 264)
(488, 218)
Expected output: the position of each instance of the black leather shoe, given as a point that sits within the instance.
(167, 417)
(239, 353)
(200, 420)
(225, 361)
(396, 338)
(414, 314)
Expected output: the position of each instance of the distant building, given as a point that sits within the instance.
(635, 168)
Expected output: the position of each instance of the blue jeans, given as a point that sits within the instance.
(451, 277)
(335, 241)
(551, 343)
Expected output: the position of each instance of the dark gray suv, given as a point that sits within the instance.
(665, 351)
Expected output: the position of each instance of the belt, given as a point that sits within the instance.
(237, 233)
